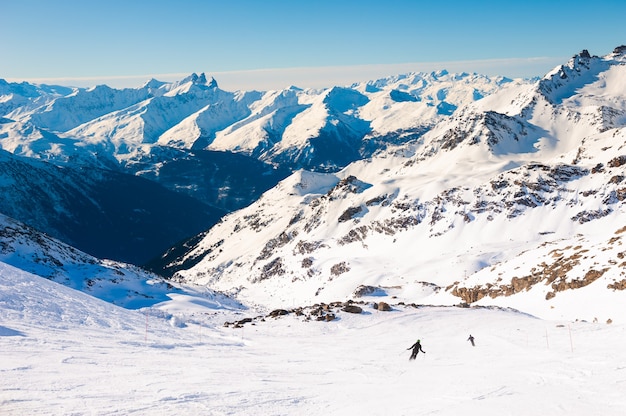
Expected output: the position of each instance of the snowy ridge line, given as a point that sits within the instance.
(120, 126)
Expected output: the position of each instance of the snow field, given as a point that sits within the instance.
(87, 357)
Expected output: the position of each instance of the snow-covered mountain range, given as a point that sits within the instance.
(518, 199)
(313, 129)
(424, 188)
(223, 149)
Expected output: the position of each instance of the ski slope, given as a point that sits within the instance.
(66, 353)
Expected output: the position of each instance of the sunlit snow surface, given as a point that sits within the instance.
(65, 353)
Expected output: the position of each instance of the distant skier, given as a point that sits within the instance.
(471, 339)
(417, 347)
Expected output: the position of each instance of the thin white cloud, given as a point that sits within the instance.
(322, 77)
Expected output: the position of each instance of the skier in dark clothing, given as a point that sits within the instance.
(417, 347)
(471, 339)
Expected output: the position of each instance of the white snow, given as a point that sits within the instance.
(64, 352)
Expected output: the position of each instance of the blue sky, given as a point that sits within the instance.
(267, 44)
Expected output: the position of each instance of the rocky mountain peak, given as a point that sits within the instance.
(202, 80)
(620, 50)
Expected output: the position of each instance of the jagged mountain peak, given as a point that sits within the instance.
(193, 80)
(580, 70)
(620, 50)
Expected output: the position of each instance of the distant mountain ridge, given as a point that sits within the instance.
(284, 125)
(218, 149)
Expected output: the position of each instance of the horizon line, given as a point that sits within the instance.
(315, 77)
